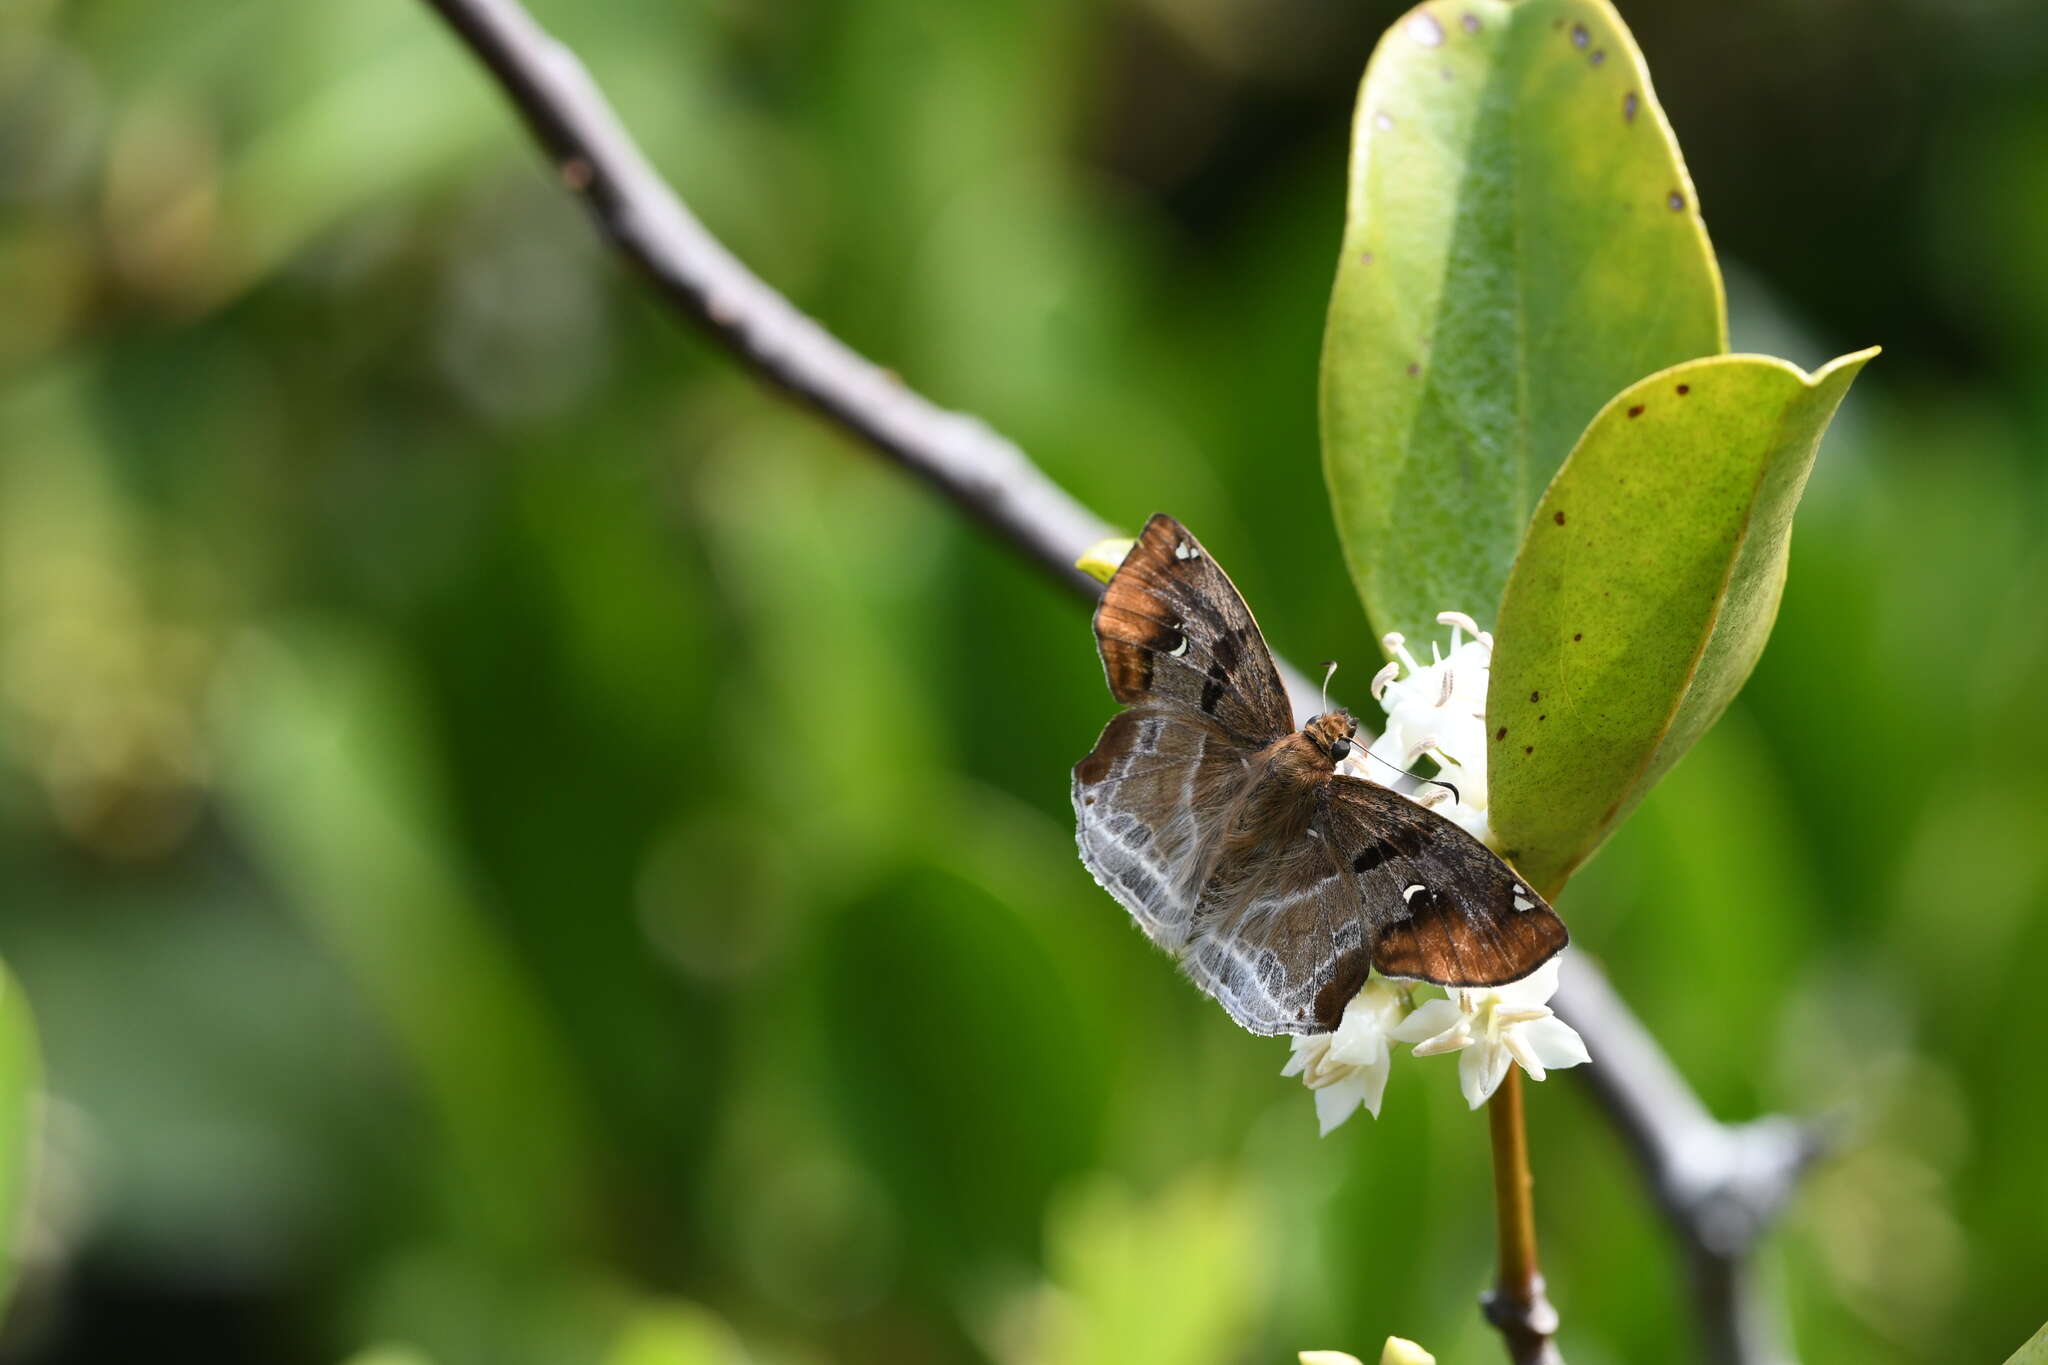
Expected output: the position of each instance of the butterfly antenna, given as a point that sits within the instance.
(1405, 772)
(1329, 672)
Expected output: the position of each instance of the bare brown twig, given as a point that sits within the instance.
(1718, 1185)
(1517, 1306)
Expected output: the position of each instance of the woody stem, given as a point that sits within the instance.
(1516, 1305)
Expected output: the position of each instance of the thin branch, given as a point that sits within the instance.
(1517, 1306)
(981, 472)
(1718, 1185)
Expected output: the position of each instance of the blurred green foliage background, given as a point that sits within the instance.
(525, 849)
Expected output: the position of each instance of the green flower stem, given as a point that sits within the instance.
(1517, 1305)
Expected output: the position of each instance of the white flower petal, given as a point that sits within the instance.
(1374, 1082)
(1362, 1046)
(1431, 1018)
(1480, 1072)
(1555, 1043)
(1518, 1048)
(1336, 1102)
(1534, 989)
(1307, 1051)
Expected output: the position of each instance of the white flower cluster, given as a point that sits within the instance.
(1436, 710)
(1491, 1028)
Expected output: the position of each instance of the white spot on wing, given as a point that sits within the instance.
(1180, 648)
(1408, 893)
(1186, 551)
(1524, 904)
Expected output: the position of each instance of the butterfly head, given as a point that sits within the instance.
(1331, 733)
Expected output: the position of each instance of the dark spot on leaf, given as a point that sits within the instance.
(1471, 23)
(1579, 35)
(1559, 518)
(1543, 718)
(1577, 638)
(1636, 411)
(1676, 201)
(1684, 389)
(1500, 734)
(1414, 368)
(1535, 697)
(1599, 56)
(1365, 258)
(1528, 748)
(1628, 107)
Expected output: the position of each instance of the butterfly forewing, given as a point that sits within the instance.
(1444, 907)
(1173, 629)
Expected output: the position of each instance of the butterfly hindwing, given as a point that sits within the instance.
(1147, 802)
(1279, 940)
(1174, 630)
(1444, 907)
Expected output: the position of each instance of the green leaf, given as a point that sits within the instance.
(1522, 240)
(2034, 1352)
(1645, 593)
(21, 1083)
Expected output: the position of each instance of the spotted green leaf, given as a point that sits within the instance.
(1521, 241)
(1644, 594)
(20, 1085)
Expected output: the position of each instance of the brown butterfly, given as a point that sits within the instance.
(1236, 844)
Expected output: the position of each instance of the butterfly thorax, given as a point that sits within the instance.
(1285, 790)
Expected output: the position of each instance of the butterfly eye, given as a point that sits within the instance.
(1339, 748)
